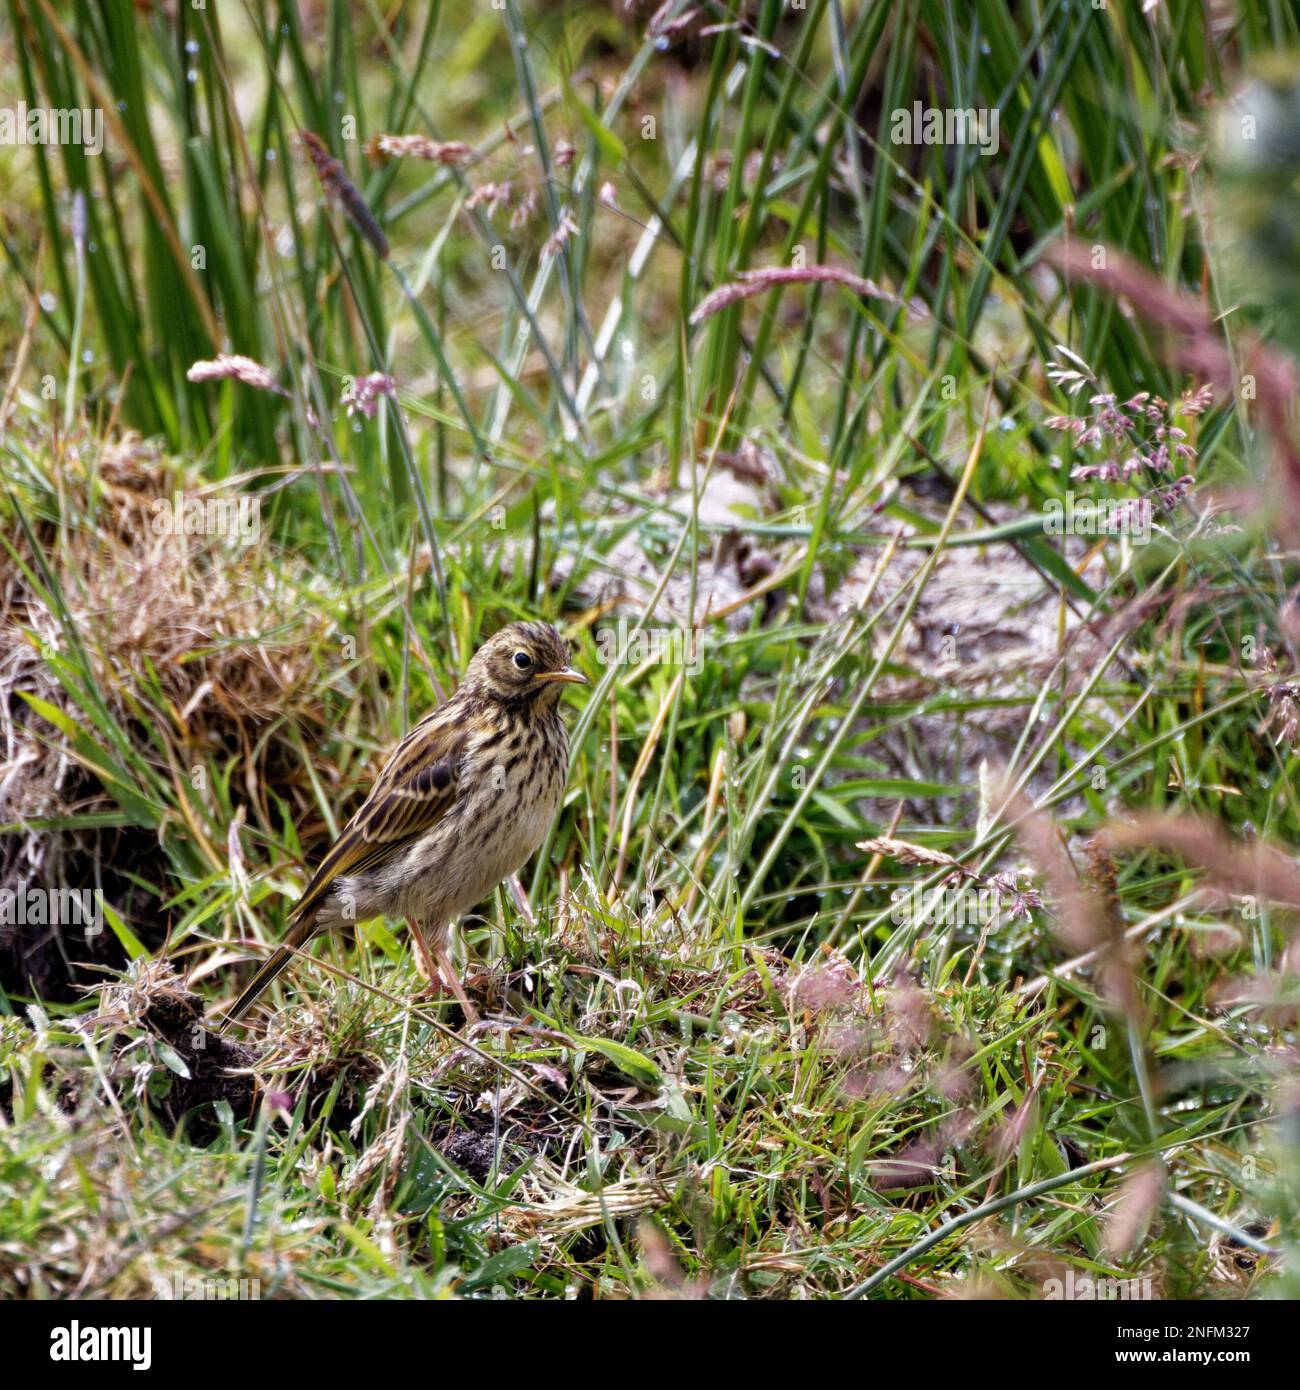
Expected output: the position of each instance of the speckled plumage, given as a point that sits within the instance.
(463, 802)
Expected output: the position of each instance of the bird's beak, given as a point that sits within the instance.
(566, 675)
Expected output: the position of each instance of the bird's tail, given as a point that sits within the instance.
(299, 934)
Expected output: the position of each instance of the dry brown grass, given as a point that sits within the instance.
(198, 648)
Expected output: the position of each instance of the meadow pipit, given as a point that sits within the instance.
(461, 804)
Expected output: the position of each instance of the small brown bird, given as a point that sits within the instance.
(462, 803)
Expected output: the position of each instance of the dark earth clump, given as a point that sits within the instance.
(218, 1067)
(473, 1152)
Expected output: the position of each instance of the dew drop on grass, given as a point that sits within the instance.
(48, 302)
(191, 45)
(88, 356)
(191, 76)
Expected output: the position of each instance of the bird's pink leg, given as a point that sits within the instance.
(448, 971)
(434, 965)
(425, 965)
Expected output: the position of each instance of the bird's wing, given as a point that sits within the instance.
(417, 786)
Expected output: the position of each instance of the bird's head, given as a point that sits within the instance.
(524, 662)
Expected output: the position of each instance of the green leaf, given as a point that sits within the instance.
(610, 145)
(627, 1059)
(171, 1059)
(378, 934)
(130, 942)
(505, 1264)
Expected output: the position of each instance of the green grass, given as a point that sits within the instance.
(715, 1059)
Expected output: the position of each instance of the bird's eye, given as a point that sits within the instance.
(523, 660)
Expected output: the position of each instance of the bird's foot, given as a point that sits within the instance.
(439, 988)
(434, 987)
